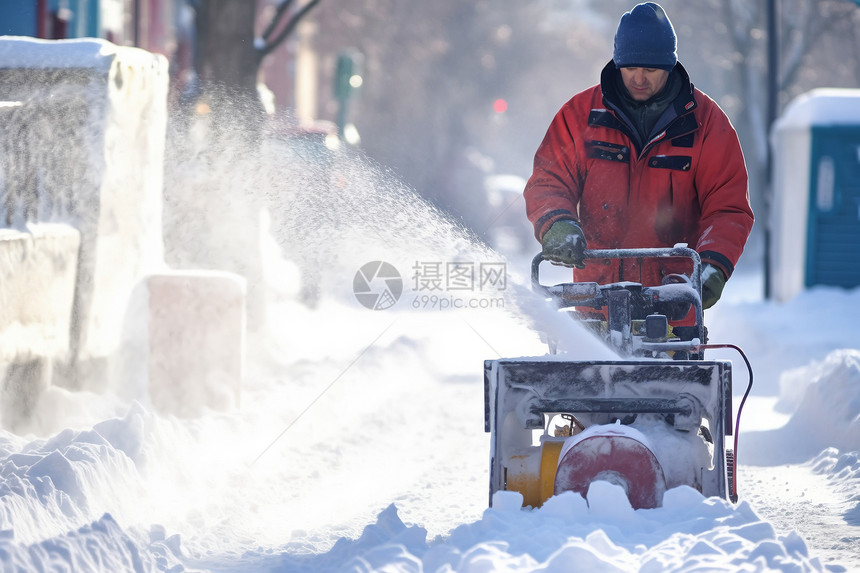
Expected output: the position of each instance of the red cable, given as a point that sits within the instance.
(699, 347)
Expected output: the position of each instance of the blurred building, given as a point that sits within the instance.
(114, 20)
(167, 27)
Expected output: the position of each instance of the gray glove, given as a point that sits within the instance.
(713, 281)
(564, 244)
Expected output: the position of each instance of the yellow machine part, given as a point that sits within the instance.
(532, 473)
(638, 329)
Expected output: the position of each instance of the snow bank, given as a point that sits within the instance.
(48, 487)
(843, 471)
(825, 400)
(100, 546)
(91, 53)
(603, 534)
(782, 336)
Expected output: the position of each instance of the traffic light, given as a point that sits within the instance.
(348, 74)
(347, 81)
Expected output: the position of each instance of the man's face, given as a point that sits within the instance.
(643, 83)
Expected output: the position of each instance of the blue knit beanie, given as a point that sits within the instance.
(645, 39)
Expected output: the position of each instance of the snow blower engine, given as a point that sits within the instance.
(657, 418)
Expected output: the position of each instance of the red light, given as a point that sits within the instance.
(500, 106)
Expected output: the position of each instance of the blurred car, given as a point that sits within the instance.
(510, 231)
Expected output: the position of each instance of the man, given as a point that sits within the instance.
(641, 160)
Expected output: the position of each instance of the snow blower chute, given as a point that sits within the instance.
(658, 417)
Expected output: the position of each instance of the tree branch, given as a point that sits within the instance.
(279, 13)
(811, 31)
(268, 47)
(738, 26)
(799, 31)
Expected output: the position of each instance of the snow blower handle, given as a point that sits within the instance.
(625, 300)
(646, 253)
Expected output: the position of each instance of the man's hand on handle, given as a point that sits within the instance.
(713, 281)
(564, 244)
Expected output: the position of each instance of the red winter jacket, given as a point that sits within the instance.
(688, 184)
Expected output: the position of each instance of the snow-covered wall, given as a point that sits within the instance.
(792, 142)
(195, 356)
(37, 274)
(83, 144)
(38, 268)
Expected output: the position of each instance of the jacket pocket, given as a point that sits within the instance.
(673, 162)
(609, 151)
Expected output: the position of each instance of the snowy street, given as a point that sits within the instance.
(359, 442)
(359, 445)
(356, 439)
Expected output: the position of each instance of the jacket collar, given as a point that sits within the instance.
(669, 124)
(684, 103)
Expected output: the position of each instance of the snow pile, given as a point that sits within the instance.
(829, 406)
(387, 471)
(603, 534)
(780, 337)
(49, 486)
(101, 546)
(825, 400)
(64, 476)
(843, 473)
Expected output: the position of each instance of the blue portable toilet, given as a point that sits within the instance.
(18, 19)
(61, 19)
(815, 215)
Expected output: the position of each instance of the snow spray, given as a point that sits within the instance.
(334, 389)
(328, 210)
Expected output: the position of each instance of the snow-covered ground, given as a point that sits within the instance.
(359, 442)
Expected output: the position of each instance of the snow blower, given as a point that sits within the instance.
(658, 417)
